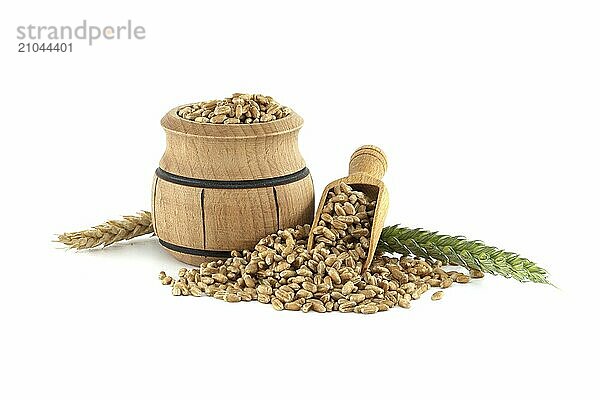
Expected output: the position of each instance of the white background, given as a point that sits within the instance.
(488, 112)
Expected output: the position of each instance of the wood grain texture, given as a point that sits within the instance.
(237, 218)
(178, 214)
(224, 219)
(152, 200)
(366, 160)
(370, 160)
(296, 203)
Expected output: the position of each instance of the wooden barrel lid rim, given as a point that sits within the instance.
(174, 124)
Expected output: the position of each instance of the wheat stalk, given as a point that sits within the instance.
(456, 250)
(109, 232)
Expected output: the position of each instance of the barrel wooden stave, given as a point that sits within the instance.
(296, 203)
(177, 210)
(237, 218)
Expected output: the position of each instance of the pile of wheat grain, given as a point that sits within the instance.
(281, 271)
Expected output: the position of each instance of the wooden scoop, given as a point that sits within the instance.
(367, 166)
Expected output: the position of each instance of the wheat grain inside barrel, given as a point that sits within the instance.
(220, 188)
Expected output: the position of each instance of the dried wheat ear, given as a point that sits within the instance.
(109, 232)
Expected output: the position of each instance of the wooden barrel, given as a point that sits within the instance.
(220, 188)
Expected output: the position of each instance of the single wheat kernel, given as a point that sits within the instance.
(232, 298)
(303, 293)
(369, 309)
(293, 306)
(357, 297)
(264, 298)
(220, 278)
(476, 274)
(277, 304)
(404, 303)
(218, 119)
(446, 282)
(437, 295)
(334, 275)
(434, 282)
(348, 288)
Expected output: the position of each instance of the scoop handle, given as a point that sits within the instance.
(370, 160)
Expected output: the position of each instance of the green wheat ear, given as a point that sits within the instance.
(456, 250)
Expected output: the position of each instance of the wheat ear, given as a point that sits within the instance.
(109, 232)
(456, 250)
